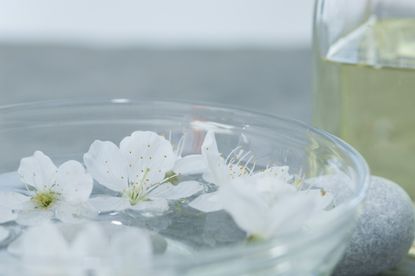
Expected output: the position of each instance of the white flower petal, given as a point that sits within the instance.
(207, 203)
(173, 192)
(11, 181)
(218, 171)
(246, 207)
(208, 177)
(271, 185)
(107, 165)
(43, 241)
(73, 213)
(337, 185)
(209, 145)
(322, 199)
(7, 215)
(157, 205)
(146, 150)
(109, 203)
(289, 215)
(13, 200)
(319, 220)
(281, 173)
(37, 171)
(73, 182)
(4, 234)
(34, 217)
(267, 207)
(190, 164)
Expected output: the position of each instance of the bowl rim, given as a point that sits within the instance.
(233, 251)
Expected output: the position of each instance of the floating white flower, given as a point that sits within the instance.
(51, 249)
(221, 171)
(266, 206)
(139, 170)
(51, 192)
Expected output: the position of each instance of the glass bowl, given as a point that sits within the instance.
(65, 129)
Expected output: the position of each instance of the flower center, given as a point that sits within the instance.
(44, 200)
(240, 163)
(137, 191)
(238, 171)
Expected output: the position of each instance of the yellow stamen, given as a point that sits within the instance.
(136, 191)
(44, 200)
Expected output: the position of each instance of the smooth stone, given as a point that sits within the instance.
(384, 233)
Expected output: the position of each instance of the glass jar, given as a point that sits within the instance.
(365, 80)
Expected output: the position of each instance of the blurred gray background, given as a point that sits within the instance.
(276, 81)
(254, 55)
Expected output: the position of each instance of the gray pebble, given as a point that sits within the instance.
(384, 233)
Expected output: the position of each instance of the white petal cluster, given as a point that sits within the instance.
(264, 204)
(51, 192)
(265, 207)
(139, 170)
(142, 172)
(145, 173)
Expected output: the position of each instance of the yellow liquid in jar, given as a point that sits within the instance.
(365, 93)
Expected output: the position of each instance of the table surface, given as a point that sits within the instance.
(273, 81)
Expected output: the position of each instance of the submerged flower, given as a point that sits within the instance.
(51, 249)
(265, 207)
(51, 192)
(139, 170)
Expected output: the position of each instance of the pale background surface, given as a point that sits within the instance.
(275, 81)
(231, 23)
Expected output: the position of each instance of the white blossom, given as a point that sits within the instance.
(51, 192)
(139, 171)
(265, 207)
(222, 171)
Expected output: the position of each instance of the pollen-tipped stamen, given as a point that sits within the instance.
(44, 200)
(230, 155)
(242, 158)
(136, 191)
(246, 168)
